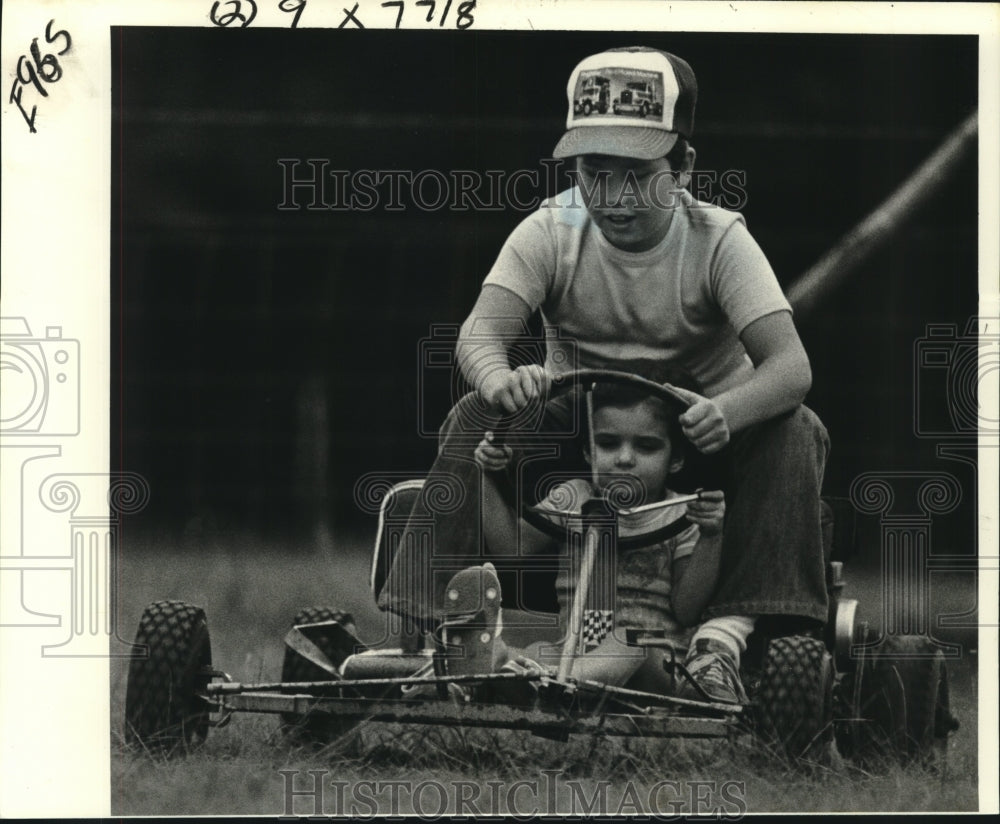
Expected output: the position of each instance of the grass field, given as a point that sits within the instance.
(250, 593)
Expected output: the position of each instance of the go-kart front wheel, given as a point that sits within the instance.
(165, 710)
(793, 703)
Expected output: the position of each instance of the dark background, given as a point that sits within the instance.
(265, 359)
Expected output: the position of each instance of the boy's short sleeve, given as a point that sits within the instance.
(685, 542)
(526, 264)
(742, 280)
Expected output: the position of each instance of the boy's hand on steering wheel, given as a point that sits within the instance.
(511, 390)
(708, 512)
(703, 424)
(490, 457)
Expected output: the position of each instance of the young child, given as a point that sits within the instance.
(628, 268)
(662, 588)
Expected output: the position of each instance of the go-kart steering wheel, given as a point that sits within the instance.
(506, 480)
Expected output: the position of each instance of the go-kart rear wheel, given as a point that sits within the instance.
(165, 710)
(316, 727)
(903, 704)
(793, 703)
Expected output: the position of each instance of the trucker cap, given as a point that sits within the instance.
(630, 102)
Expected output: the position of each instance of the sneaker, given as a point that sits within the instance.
(712, 668)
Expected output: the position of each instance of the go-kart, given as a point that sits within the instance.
(875, 698)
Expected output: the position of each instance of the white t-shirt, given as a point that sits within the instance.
(637, 586)
(684, 302)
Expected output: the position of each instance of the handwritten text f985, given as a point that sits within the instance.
(38, 70)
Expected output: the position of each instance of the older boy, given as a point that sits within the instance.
(634, 270)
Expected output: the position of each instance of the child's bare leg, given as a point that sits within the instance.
(611, 662)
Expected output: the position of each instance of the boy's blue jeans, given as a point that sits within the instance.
(772, 550)
(772, 472)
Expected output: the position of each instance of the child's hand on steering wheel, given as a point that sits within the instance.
(708, 512)
(491, 457)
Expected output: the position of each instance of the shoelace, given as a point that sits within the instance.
(713, 669)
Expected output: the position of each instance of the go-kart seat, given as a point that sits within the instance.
(527, 583)
(393, 513)
(529, 603)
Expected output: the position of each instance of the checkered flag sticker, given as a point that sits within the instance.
(597, 623)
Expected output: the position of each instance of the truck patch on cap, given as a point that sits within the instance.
(617, 95)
